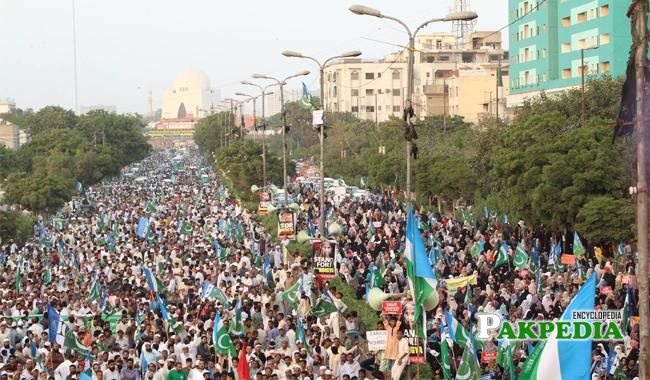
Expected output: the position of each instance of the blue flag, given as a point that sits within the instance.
(53, 321)
(143, 226)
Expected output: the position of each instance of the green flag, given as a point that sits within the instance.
(222, 255)
(324, 306)
(151, 236)
(446, 363)
(221, 338)
(100, 227)
(476, 249)
(468, 369)
(150, 207)
(186, 228)
(71, 342)
(578, 248)
(19, 274)
(292, 295)
(505, 358)
(94, 293)
(468, 295)
(521, 257)
(502, 256)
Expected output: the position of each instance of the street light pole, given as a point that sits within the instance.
(321, 68)
(455, 16)
(264, 93)
(283, 115)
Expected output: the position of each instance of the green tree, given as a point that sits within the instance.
(210, 131)
(242, 163)
(605, 220)
(8, 161)
(17, 226)
(50, 117)
(40, 191)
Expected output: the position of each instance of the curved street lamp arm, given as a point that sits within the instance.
(424, 24)
(408, 30)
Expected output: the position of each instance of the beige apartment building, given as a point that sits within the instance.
(376, 89)
(11, 136)
(473, 93)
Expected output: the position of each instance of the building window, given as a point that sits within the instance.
(397, 109)
(334, 91)
(335, 76)
(566, 22)
(378, 108)
(581, 44)
(604, 10)
(354, 92)
(604, 38)
(354, 75)
(544, 53)
(370, 108)
(543, 28)
(370, 75)
(396, 74)
(582, 17)
(566, 47)
(604, 67)
(378, 75)
(566, 73)
(369, 92)
(355, 109)
(397, 92)
(438, 44)
(544, 77)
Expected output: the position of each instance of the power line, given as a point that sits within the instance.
(535, 8)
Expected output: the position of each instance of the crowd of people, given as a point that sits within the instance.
(144, 268)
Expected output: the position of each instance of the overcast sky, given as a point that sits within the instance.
(125, 47)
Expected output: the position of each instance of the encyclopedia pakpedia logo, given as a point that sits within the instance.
(590, 324)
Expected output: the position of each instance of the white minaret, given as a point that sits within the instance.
(149, 104)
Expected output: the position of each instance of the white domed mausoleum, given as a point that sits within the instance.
(190, 99)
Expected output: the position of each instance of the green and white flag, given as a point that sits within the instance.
(324, 306)
(521, 257)
(151, 236)
(292, 295)
(446, 362)
(221, 339)
(237, 325)
(578, 248)
(505, 357)
(19, 275)
(100, 227)
(502, 256)
(469, 368)
(94, 293)
(210, 291)
(149, 207)
(186, 228)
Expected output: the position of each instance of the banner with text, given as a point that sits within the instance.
(416, 355)
(377, 340)
(286, 225)
(323, 258)
(265, 202)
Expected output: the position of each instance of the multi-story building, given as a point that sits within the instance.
(273, 105)
(7, 105)
(473, 94)
(549, 37)
(376, 89)
(11, 136)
